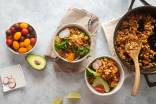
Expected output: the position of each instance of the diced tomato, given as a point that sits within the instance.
(100, 88)
(118, 75)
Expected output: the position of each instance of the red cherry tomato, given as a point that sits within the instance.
(24, 31)
(9, 36)
(30, 29)
(16, 26)
(8, 32)
(33, 41)
(100, 88)
(9, 42)
(13, 29)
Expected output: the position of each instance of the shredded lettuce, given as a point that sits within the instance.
(82, 51)
(91, 72)
(61, 45)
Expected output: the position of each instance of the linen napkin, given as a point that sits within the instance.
(87, 20)
(109, 28)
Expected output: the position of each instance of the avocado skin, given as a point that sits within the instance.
(39, 56)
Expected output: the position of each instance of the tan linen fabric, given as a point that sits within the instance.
(109, 28)
(87, 20)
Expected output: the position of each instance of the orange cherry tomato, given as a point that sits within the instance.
(27, 42)
(23, 25)
(15, 45)
(21, 44)
(17, 35)
(22, 50)
(29, 47)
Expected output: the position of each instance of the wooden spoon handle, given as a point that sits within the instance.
(137, 78)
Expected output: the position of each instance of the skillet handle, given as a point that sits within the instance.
(145, 2)
(150, 84)
(132, 3)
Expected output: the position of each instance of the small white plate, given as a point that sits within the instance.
(17, 73)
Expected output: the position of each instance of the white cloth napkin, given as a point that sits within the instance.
(109, 28)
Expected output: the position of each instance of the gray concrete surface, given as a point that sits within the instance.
(43, 87)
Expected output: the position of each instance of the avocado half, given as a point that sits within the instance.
(99, 81)
(37, 62)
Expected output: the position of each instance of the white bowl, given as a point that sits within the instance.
(25, 52)
(116, 88)
(79, 27)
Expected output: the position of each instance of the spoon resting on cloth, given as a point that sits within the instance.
(133, 49)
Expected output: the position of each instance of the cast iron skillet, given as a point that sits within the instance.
(146, 9)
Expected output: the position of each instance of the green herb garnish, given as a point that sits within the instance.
(82, 51)
(95, 74)
(62, 45)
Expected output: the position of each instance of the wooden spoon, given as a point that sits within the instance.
(133, 49)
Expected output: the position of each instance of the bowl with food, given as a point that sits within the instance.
(21, 38)
(104, 76)
(72, 43)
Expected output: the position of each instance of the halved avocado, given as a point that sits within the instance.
(37, 62)
(100, 81)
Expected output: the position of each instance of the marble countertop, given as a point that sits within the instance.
(43, 87)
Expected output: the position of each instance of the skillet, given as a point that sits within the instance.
(146, 9)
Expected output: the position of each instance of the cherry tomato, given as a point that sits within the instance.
(22, 50)
(100, 88)
(29, 47)
(29, 36)
(24, 31)
(15, 45)
(13, 29)
(16, 26)
(9, 36)
(21, 44)
(23, 25)
(26, 42)
(22, 39)
(9, 42)
(17, 35)
(8, 32)
(30, 29)
(33, 41)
